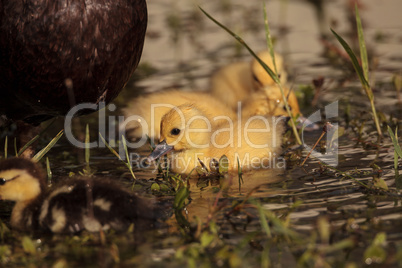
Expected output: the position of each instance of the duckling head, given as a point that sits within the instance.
(20, 180)
(261, 78)
(274, 94)
(184, 127)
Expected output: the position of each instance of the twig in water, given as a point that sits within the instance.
(325, 129)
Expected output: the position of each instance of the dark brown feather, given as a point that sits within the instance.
(50, 47)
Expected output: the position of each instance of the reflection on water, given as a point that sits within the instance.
(259, 182)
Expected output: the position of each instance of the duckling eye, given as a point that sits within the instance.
(3, 180)
(256, 79)
(175, 131)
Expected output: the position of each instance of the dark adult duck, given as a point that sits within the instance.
(56, 54)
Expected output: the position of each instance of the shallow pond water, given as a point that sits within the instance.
(315, 215)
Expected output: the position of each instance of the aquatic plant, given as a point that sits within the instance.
(35, 138)
(180, 201)
(362, 71)
(127, 163)
(274, 75)
(397, 154)
(38, 156)
(48, 172)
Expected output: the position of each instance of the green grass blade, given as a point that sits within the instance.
(125, 148)
(128, 164)
(113, 151)
(27, 145)
(87, 169)
(397, 152)
(362, 44)
(32, 140)
(394, 139)
(353, 58)
(48, 171)
(241, 41)
(363, 74)
(396, 165)
(44, 151)
(268, 36)
(271, 52)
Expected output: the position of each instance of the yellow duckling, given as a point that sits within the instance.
(69, 207)
(235, 82)
(250, 84)
(143, 116)
(269, 101)
(187, 131)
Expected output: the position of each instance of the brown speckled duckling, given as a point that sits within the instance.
(74, 205)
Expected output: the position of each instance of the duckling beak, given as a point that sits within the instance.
(161, 149)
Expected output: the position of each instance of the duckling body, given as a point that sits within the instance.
(235, 82)
(269, 101)
(151, 108)
(74, 205)
(56, 54)
(184, 131)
